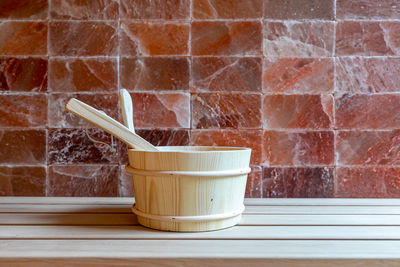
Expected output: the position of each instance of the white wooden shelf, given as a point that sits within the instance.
(273, 232)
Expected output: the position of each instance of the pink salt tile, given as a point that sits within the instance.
(367, 9)
(72, 146)
(23, 9)
(125, 185)
(161, 110)
(226, 38)
(298, 75)
(371, 182)
(83, 181)
(367, 75)
(368, 148)
(23, 110)
(23, 74)
(226, 9)
(299, 9)
(298, 148)
(298, 112)
(236, 138)
(298, 39)
(298, 182)
(100, 38)
(226, 74)
(148, 9)
(59, 117)
(22, 181)
(158, 137)
(84, 9)
(140, 38)
(367, 38)
(226, 111)
(22, 147)
(367, 111)
(254, 180)
(154, 73)
(93, 75)
(23, 38)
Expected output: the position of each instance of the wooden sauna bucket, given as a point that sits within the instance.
(189, 188)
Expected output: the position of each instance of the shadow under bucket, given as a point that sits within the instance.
(189, 188)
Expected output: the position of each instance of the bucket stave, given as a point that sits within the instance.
(189, 188)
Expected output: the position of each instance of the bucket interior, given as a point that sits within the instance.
(197, 149)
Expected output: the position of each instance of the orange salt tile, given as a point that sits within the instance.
(23, 110)
(83, 181)
(139, 38)
(298, 75)
(227, 9)
(298, 112)
(84, 9)
(100, 38)
(92, 75)
(226, 111)
(148, 9)
(298, 148)
(254, 180)
(154, 73)
(23, 38)
(23, 9)
(367, 9)
(226, 38)
(22, 146)
(23, 74)
(23, 181)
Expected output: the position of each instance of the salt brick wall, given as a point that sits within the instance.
(312, 86)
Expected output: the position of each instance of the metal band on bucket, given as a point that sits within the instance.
(199, 218)
(237, 172)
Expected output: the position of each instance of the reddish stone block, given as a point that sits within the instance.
(72, 146)
(367, 111)
(23, 74)
(22, 181)
(154, 73)
(161, 110)
(299, 9)
(234, 138)
(23, 111)
(83, 181)
(226, 74)
(23, 38)
(298, 148)
(367, 75)
(148, 9)
(84, 9)
(298, 75)
(125, 184)
(59, 117)
(139, 38)
(367, 38)
(226, 38)
(371, 182)
(254, 183)
(226, 9)
(367, 9)
(100, 38)
(368, 148)
(72, 74)
(298, 182)
(23, 9)
(298, 112)
(22, 147)
(226, 111)
(158, 137)
(298, 39)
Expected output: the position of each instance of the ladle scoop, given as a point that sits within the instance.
(108, 124)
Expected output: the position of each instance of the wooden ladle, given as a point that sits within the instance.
(108, 124)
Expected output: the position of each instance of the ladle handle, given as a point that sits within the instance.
(126, 108)
(108, 124)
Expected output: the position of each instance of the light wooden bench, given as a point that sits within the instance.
(273, 232)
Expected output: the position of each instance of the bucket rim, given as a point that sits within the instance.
(207, 149)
